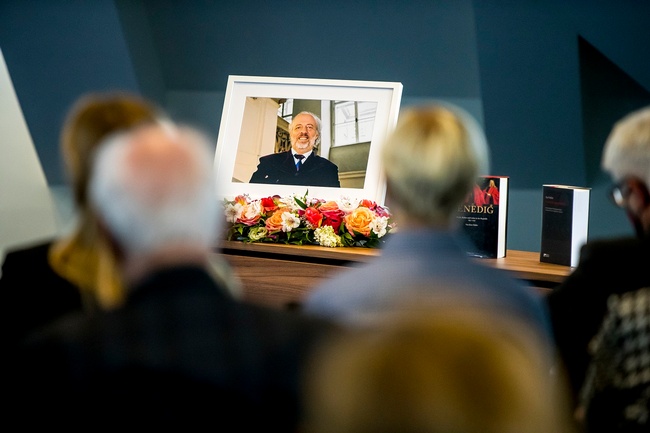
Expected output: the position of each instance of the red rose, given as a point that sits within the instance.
(332, 215)
(268, 204)
(313, 217)
(334, 221)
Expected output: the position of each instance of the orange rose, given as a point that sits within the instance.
(368, 203)
(274, 222)
(329, 206)
(359, 221)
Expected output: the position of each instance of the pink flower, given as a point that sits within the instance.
(250, 215)
(332, 215)
(381, 212)
(241, 199)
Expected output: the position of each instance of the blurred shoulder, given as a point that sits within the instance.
(615, 249)
(28, 251)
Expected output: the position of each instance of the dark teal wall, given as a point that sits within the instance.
(518, 63)
(56, 51)
(531, 75)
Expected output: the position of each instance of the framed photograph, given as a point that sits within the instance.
(354, 118)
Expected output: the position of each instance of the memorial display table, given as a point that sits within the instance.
(281, 275)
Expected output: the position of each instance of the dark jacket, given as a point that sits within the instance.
(32, 293)
(578, 305)
(279, 168)
(180, 353)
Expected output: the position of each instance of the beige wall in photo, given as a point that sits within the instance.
(257, 136)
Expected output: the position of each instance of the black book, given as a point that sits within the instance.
(565, 223)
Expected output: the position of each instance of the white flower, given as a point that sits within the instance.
(290, 202)
(347, 204)
(326, 237)
(253, 209)
(289, 221)
(313, 201)
(233, 212)
(378, 226)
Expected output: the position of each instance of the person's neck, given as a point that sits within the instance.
(139, 266)
(406, 222)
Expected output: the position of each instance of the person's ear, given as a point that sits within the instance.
(638, 206)
(638, 195)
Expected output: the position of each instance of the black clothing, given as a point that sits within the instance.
(280, 168)
(32, 293)
(179, 353)
(578, 305)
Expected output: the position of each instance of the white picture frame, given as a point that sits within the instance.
(241, 88)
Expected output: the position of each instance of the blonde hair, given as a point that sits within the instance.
(84, 257)
(452, 369)
(431, 161)
(627, 149)
(92, 118)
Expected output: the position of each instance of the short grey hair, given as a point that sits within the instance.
(627, 149)
(155, 185)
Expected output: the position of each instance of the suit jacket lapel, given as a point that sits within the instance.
(288, 164)
(310, 163)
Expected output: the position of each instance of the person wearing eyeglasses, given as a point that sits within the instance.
(579, 305)
(300, 165)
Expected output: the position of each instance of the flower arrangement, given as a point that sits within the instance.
(307, 221)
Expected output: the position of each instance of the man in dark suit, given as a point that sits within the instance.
(180, 352)
(300, 165)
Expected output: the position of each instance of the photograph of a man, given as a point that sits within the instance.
(300, 165)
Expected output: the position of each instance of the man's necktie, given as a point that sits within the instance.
(299, 163)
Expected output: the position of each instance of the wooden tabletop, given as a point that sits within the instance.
(262, 268)
(355, 254)
(525, 264)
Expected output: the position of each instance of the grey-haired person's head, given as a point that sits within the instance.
(154, 187)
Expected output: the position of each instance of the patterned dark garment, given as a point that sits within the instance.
(616, 394)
